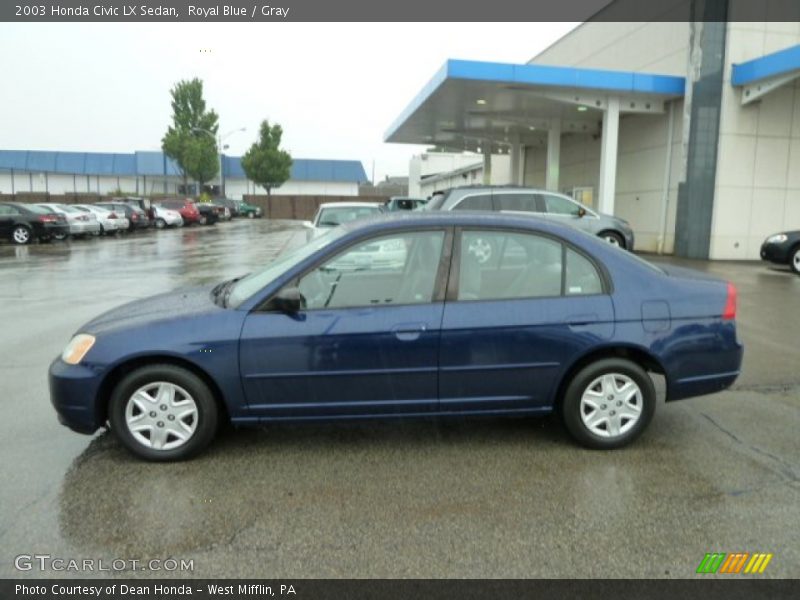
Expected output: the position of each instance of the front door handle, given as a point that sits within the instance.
(408, 332)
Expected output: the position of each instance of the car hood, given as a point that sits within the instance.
(183, 303)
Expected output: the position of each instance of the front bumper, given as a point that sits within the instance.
(775, 253)
(73, 393)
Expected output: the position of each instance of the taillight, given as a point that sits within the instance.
(48, 219)
(729, 312)
(112, 215)
(134, 217)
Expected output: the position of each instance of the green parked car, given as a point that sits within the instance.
(250, 211)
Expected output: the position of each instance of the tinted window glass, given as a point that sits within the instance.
(582, 277)
(520, 202)
(39, 210)
(479, 202)
(396, 269)
(504, 265)
(560, 206)
(333, 216)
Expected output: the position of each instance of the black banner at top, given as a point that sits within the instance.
(372, 10)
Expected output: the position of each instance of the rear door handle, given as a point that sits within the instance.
(408, 332)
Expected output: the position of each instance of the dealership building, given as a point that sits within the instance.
(688, 130)
(153, 173)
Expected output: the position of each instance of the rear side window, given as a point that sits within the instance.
(556, 205)
(582, 278)
(477, 202)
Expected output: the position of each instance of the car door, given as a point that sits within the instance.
(366, 341)
(7, 214)
(511, 324)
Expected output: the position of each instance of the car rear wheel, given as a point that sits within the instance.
(613, 238)
(794, 260)
(609, 403)
(21, 235)
(163, 413)
(160, 223)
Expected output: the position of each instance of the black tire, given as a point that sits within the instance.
(21, 235)
(581, 383)
(612, 237)
(207, 411)
(161, 224)
(203, 220)
(794, 259)
(60, 236)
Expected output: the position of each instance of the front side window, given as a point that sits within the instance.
(500, 265)
(394, 269)
(477, 202)
(556, 205)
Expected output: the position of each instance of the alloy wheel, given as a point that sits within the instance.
(22, 235)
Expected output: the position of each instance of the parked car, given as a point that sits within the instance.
(80, 222)
(186, 207)
(144, 203)
(333, 214)
(137, 218)
(783, 249)
(22, 223)
(109, 221)
(230, 204)
(251, 211)
(557, 321)
(549, 205)
(209, 213)
(403, 203)
(166, 217)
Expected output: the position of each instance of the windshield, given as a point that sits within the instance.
(336, 215)
(249, 285)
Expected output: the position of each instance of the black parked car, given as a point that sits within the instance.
(230, 204)
(783, 249)
(137, 218)
(209, 213)
(144, 203)
(22, 223)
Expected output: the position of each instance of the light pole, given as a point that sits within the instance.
(219, 140)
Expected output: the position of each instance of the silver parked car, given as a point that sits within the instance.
(110, 222)
(166, 217)
(542, 203)
(80, 223)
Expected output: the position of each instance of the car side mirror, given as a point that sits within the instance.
(288, 300)
(581, 212)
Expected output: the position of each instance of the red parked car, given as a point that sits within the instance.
(186, 207)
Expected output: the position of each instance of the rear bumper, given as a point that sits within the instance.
(83, 228)
(73, 393)
(730, 362)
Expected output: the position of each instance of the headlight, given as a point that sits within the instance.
(77, 348)
(778, 238)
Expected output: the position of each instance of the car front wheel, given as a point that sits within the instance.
(609, 403)
(794, 261)
(160, 223)
(163, 413)
(613, 238)
(21, 235)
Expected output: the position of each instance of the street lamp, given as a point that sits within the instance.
(219, 140)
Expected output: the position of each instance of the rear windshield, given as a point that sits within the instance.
(39, 210)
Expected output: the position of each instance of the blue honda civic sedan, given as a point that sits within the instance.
(410, 315)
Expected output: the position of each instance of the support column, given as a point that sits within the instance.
(608, 157)
(552, 169)
(517, 157)
(487, 164)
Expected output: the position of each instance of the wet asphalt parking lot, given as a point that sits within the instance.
(458, 498)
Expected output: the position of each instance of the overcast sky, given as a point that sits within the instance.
(335, 88)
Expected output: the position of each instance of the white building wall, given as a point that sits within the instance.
(758, 162)
(660, 48)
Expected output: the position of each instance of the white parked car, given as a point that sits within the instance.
(166, 217)
(110, 221)
(331, 214)
(80, 222)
